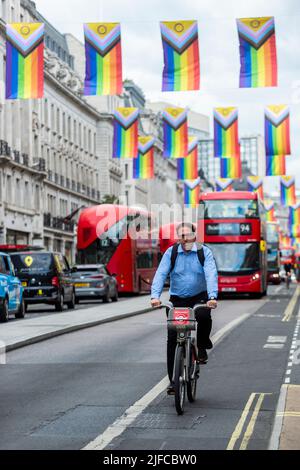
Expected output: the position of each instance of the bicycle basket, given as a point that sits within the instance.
(180, 318)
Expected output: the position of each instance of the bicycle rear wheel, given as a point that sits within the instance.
(179, 380)
(191, 386)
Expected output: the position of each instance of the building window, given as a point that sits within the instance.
(8, 188)
(69, 127)
(58, 120)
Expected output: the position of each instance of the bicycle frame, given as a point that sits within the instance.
(185, 371)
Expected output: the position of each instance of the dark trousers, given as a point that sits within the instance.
(204, 324)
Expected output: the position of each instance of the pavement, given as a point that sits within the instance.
(16, 334)
(104, 387)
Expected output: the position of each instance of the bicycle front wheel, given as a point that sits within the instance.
(191, 386)
(179, 380)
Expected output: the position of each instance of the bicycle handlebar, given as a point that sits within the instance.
(195, 308)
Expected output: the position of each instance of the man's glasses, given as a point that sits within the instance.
(187, 236)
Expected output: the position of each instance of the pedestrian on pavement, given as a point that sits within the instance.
(193, 280)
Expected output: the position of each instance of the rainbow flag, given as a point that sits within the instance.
(224, 184)
(270, 210)
(277, 130)
(175, 133)
(103, 74)
(275, 165)
(284, 240)
(24, 60)
(231, 167)
(192, 193)
(125, 140)
(258, 55)
(287, 191)
(294, 219)
(226, 139)
(181, 55)
(187, 168)
(255, 185)
(295, 231)
(143, 166)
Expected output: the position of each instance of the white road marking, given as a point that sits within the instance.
(277, 339)
(287, 381)
(290, 364)
(263, 315)
(121, 424)
(273, 346)
(288, 372)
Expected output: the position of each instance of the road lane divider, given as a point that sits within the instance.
(290, 308)
(258, 399)
(121, 424)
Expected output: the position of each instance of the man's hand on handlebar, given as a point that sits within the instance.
(155, 303)
(212, 304)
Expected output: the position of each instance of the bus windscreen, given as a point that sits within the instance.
(230, 209)
(236, 258)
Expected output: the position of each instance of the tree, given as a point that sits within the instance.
(109, 199)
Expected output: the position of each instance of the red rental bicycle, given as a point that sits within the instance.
(186, 367)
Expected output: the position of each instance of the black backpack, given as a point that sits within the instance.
(174, 253)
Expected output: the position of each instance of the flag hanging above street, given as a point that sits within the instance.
(125, 140)
(277, 130)
(287, 191)
(226, 138)
(275, 165)
(192, 193)
(175, 133)
(24, 60)
(187, 168)
(258, 56)
(270, 210)
(224, 184)
(103, 59)
(255, 185)
(231, 167)
(143, 166)
(181, 55)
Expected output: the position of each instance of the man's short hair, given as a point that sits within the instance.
(189, 225)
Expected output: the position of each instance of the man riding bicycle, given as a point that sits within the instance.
(288, 273)
(193, 280)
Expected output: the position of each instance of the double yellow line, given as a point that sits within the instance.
(290, 308)
(250, 428)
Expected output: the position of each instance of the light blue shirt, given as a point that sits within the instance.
(188, 277)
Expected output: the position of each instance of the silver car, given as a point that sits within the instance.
(93, 281)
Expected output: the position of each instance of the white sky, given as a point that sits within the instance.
(219, 54)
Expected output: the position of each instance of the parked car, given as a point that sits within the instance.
(93, 281)
(11, 291)
(46, 278)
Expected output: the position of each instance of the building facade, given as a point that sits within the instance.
(50, 148)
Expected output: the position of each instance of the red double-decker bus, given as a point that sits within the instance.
(235, 230)
(123, 239)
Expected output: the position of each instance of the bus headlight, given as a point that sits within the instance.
(255, 277)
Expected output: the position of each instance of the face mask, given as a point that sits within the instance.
(188, 246)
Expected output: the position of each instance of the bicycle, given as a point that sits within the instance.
(186, 367)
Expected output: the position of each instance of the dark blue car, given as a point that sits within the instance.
(11, 291)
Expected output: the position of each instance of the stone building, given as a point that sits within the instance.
(50, 148)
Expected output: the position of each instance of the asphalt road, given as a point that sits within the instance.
(64, 392)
